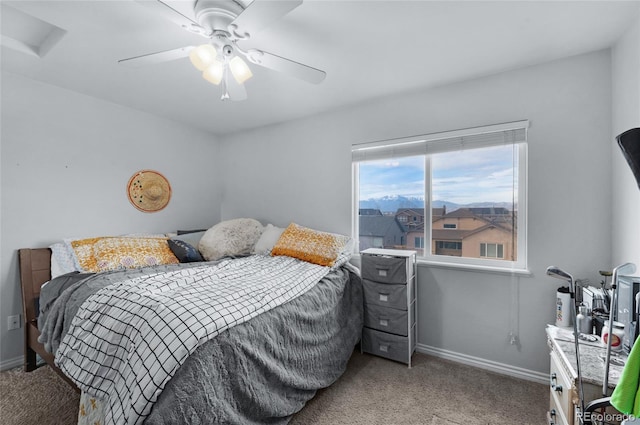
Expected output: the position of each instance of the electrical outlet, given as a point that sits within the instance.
(13, 322)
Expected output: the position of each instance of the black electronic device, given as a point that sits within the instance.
(627, 310)
(629, 143)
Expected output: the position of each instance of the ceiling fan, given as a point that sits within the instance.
(225, 23)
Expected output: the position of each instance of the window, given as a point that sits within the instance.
(491, 250)
(461, 189)
(449, 245)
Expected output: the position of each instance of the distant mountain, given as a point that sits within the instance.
(506, 205)
(451, 206)
(390, 204)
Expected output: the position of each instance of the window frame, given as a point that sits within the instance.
(518, 266)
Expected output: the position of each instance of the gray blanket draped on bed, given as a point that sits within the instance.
(261, 371)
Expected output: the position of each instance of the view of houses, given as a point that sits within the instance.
(475, 232)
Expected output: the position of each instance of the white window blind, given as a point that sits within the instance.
(470, 138)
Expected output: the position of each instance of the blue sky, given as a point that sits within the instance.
(477, 175)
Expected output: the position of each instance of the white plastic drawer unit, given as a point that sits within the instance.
(390, 322)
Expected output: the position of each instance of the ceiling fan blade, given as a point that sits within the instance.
(260, 14)
(287, 66)
(163, 9)
(235, 91)
(158, 57)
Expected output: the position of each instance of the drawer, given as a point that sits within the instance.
(387, 295)
(561, 389)
(388, 319)
(385, 269)
(387, 345)
(555, 415)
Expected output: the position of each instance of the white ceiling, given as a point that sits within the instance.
(369, 49)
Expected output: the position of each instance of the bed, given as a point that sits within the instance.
(261, 370)
(35, 270)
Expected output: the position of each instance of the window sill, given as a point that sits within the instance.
(474, 268)
(463, 267)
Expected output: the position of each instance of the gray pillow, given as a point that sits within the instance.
(230, 238)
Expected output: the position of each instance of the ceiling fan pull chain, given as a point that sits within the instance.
(225, 92)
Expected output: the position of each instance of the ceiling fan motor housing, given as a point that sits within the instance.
(216, 15)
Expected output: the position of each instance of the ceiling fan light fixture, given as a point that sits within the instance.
(203, 56)
(214, 72)
(240, 70)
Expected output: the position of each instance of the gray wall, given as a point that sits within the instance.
(301, 171)
(626, 114)
(66, 159)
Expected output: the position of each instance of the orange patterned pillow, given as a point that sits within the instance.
(83, 249)
(119, 253)
(310, 245)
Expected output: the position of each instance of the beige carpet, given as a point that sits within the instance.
(38, 397)
(433, 391)
(372, 391)
(436, 420)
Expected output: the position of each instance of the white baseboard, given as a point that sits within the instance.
(11, 363)
(504, 369)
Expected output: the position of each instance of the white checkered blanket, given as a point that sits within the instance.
(128, 339)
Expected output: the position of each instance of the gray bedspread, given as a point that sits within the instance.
(259, 372)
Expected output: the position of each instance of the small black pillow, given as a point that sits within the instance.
(185, 252)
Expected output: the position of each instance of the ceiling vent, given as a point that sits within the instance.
(27, 34)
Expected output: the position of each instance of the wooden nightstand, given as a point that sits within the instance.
(390, 323)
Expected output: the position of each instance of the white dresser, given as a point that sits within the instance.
(564, 397)
(390, 322)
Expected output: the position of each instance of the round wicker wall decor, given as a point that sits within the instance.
(149, 191)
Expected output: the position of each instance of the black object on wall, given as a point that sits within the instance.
(629, 142)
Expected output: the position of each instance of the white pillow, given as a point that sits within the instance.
(56, 270)
(268, 239)
(62, 260)
(230, 238)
